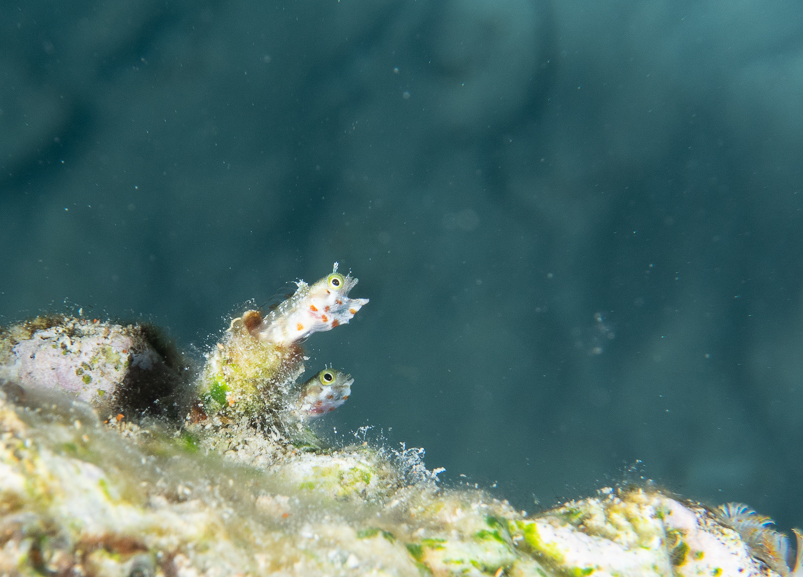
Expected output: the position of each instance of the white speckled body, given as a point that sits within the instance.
(323, 393)
(313, 308)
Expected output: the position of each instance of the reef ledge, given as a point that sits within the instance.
(96, 481)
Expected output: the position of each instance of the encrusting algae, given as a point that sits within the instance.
(220, 475)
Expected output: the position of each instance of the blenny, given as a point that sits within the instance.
(313, 308)
(251, 374)
(323, 393)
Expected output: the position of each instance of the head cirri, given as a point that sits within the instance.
(323, 393)
(313, 308)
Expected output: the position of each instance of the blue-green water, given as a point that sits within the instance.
(580, 226)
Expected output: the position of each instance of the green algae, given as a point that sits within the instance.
(678, 547)
(678, 555)
(355, 476)
(70, 449)
(104, 486)
(245, 378)
(485, 535)
(370, 532)
(189, 442)
(432, 543)
(549, 553)
(217, 393)
(573, 515)
(416, 550)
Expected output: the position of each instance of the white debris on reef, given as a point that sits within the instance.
(640, 532)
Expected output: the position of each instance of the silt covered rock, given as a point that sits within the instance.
(114, 368)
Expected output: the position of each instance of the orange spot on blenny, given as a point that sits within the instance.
(324, 318)
(313, 308)
(299, 327)
(353, 311)
(335, 323)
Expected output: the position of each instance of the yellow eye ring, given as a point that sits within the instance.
(336, 281)
(326, 377)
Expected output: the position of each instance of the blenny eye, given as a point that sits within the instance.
(335, 281)
(327, 377)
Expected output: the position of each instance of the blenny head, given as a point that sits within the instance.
(323, 393)
(313, 308)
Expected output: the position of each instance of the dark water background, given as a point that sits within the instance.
(580, 224)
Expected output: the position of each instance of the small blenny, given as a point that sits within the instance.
(312, 308)
(323, 393)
